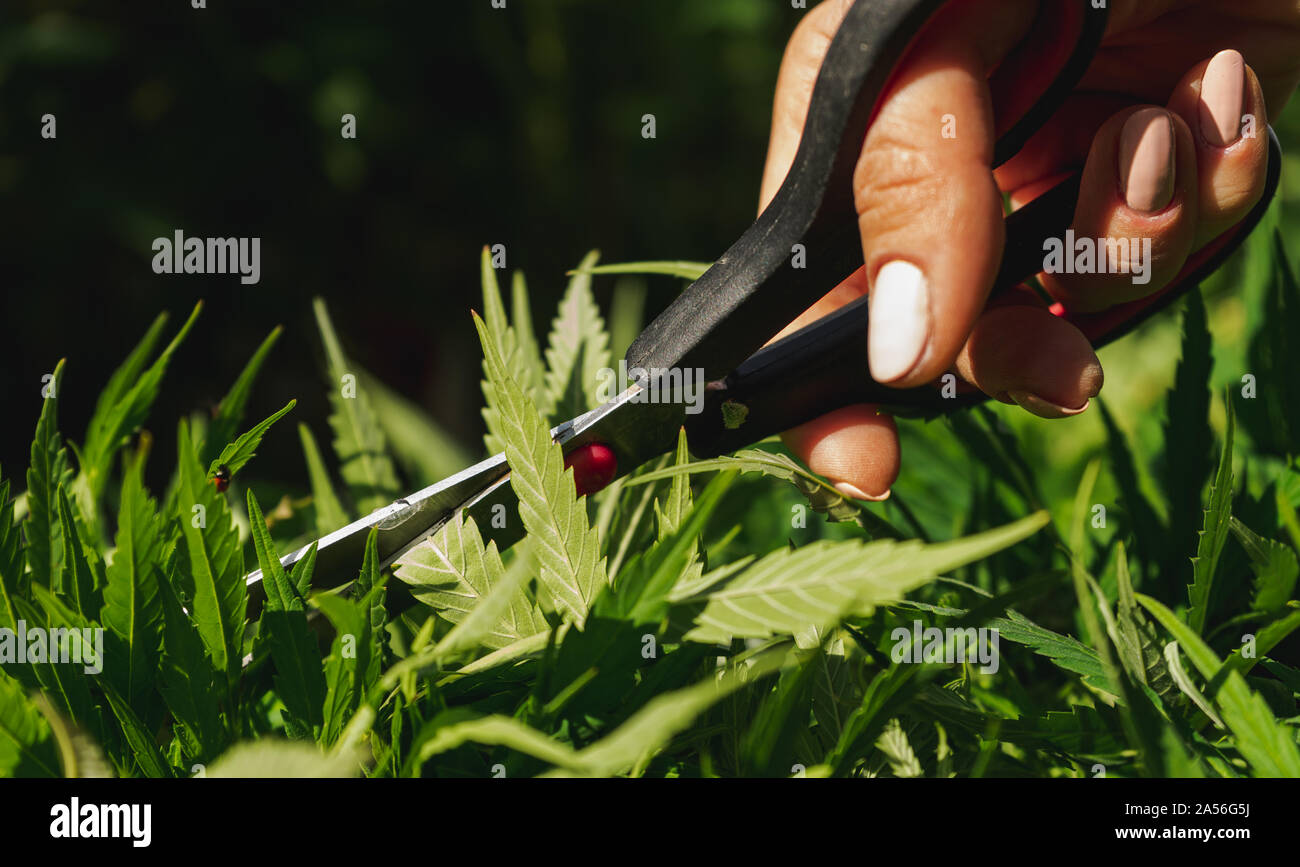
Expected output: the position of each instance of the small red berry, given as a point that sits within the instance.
(222, 478)
(594, 467)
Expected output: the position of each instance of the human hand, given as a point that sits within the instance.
(1157, 123)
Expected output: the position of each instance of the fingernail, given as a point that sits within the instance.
(1223, 93)
(854, 493)
(1146, 160)
(1045, 408)
(900, 320)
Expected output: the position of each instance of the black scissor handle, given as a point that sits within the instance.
(754, 290)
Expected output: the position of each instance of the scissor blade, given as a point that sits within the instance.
(636, 430)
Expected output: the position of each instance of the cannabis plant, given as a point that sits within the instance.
(1010, 611)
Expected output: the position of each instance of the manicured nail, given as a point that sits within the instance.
(1223, 93)
(1146, 160)
(900, 321)
(854, 493)
(1044, 408)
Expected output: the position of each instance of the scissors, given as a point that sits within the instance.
(722, 321)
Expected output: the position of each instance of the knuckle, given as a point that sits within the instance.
(895, 180)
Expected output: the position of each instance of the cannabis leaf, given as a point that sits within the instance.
(241, 451)
(453, 573)
(553, 514)
(1210, 540)
(299, 679)
(358, 438)
(578, 348)
(212, 566)
(823, 582)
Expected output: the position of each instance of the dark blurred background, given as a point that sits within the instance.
(474, 126)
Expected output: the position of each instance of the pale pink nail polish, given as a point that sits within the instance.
(1146, 160)
(1223, 94)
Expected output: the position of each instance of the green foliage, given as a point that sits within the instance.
(133, 613)
(299, 679)
(241, 451)
(358, 439)
(686, 621)
(48, 471)
(553, 514)
(212, 568)
(578, 348)
(1212, 537)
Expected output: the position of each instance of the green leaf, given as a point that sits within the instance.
(213, 565)
(108, 431)
(578, 349)
(893, 744)
(67, 686)
(632, 744)
(1187, 435)
(1210, 541)
(1266, 638)
(768, 746)
(453, 573)
(48, 470)
(241, 451)
(836, 690)
(678, 501)
(78, 585)
(132, 611)
(299, 680)
(644, 586)
(687, 270)
(532, 368)
(1265, 743)
(818, 585)
(1272, 415)
(518, 346)
(1135, 637)
(822, 496)
(188, 680)
(277, 759)
(503, 609)
(358, 438)
(1274, 564)
(1147, 528)
(143, 746)
(355, 646)
(128, 373)
(1180, 677)
(80, 755)
(572, 570)
(11, 559)
(230, 412)
(1063, 650)
(301, 571)
(26, 746)
(625, 749)
(329, 513)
